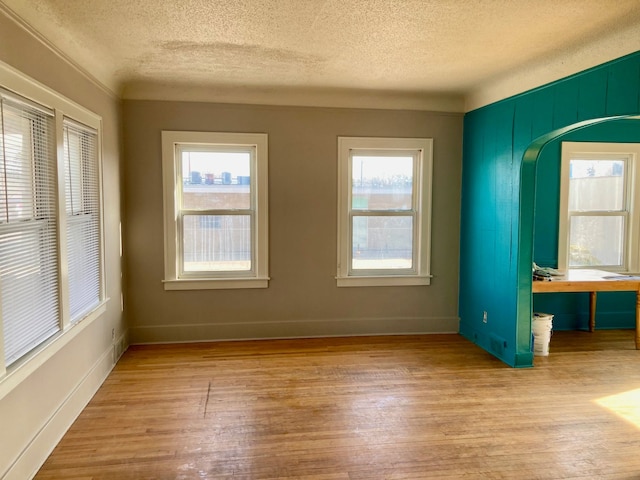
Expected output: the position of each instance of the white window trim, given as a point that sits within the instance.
(423, 188)
(15, 81)
(632, 188)
(172, 177)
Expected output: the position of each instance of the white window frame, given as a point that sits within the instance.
(422, 149)
(630, 153)
(258, 277)
(23, 86)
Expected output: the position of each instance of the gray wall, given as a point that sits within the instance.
(302, 298)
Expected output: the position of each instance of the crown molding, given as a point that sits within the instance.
(298, 97)
(24, 25)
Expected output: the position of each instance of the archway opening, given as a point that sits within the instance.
(528, 182)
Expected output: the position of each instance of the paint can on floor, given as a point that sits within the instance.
(541, 329)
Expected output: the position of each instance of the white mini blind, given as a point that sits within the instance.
(29, 298)
(82, 204)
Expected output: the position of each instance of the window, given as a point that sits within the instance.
(50, 226)
(216, 224)
(28, 225)
(598, 206)
(384, 211)
(82, 205)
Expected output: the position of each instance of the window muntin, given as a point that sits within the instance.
(215, 210)
(384, 211)
(598, 207)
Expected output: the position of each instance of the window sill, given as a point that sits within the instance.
(384, 281)
(24, 367)
(215, 284)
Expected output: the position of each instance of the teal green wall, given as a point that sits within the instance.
(501, 146)
(571, 311)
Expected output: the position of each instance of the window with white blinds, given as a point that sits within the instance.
(29, 300)
(50, 221)
(82, 205)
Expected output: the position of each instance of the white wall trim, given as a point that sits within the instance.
(341, 327)
(34, 455)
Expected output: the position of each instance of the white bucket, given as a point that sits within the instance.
(541, 329)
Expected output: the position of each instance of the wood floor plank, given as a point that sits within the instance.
(407, 407)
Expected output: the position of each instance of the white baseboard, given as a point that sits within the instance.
(291, 329)
(35, 454)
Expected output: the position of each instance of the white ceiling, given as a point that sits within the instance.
(407, 53)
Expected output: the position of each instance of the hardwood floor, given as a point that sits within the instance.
(413, 407)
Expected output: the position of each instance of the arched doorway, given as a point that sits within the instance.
(526, 223)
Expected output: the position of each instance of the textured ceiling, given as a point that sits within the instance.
(413, 48)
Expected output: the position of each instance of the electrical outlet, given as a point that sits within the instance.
(113, 334)
(484, 317)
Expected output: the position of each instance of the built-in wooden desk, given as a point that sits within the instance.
(593, 281)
